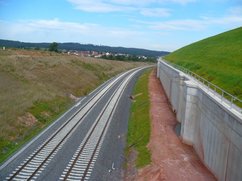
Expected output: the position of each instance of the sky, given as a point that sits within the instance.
(164, 25)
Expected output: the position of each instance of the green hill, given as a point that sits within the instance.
(218, 59)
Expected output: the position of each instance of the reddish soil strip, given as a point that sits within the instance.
(171, 159)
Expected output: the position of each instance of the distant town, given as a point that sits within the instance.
(106, 55)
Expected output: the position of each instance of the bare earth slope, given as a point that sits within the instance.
(171, 159)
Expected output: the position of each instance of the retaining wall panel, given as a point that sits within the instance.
(234, 164)
(214, 130)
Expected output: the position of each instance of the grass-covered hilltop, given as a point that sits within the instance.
(218, 59)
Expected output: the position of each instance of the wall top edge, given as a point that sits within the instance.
(192, 82)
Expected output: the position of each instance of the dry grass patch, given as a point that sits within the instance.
(36, 86)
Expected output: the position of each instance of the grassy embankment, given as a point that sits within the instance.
(139, 122)
(35, 88)
(218, 59)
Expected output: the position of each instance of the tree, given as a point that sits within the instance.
(53, 47)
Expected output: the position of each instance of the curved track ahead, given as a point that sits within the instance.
(74, 147)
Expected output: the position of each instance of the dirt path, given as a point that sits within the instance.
(171, 159)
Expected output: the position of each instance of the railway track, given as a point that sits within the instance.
(82, 162)
(35, 163)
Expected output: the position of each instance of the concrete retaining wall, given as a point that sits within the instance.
(210, 126)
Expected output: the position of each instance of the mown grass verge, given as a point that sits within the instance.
(139, 122)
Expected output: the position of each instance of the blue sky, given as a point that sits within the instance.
(151, 24)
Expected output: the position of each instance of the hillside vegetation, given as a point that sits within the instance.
(218, 59)
(85, 47)
(37, 86)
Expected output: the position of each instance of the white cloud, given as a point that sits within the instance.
(199, 24)
(230, 20)
(182, 1)
(236, 10)
(142, 6)
(62, 31)
(56, 24)
(188, 24)
(155, 12)
(148, 2)
(96, 6)
(132, 2)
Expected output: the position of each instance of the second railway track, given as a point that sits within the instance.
(83, 160)
(80, 166)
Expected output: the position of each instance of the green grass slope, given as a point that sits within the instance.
(35, 88)
(139, 122)
(218, 59)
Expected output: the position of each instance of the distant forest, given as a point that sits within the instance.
(84, 47)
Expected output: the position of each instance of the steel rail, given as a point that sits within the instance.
(39, 149)
(101, 137)
(118, 92)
